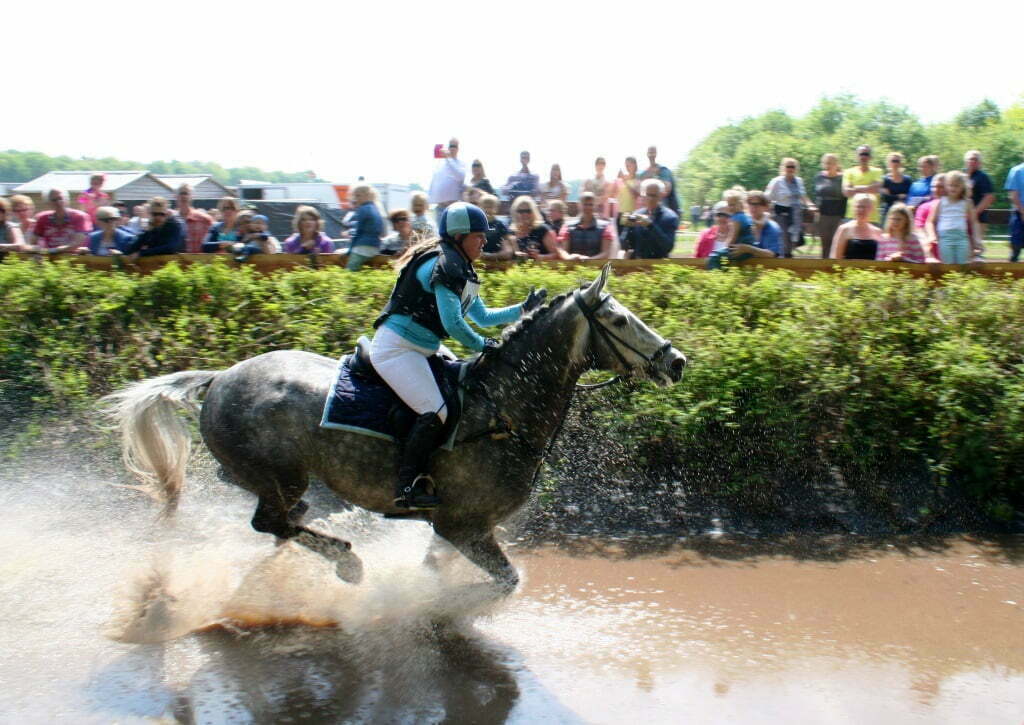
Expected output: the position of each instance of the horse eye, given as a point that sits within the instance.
(620, 322)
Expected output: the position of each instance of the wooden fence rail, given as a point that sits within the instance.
(269, 263)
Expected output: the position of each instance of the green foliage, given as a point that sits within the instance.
(27, 165)
(865, 373)
(748, 152)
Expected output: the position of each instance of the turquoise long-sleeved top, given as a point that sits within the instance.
(450, 307)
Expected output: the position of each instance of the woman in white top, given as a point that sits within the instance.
(953, 220)
(789, 198)
(553, 188)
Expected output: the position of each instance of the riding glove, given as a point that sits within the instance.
(490, 346)
(535, 299)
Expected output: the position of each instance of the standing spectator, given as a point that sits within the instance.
(24, 210)
(1015, 185)
(858, 238)
(898, 242)
(627, 189)
(11, 238)
(744, 243)
(228, 230)
(588, 237)
(664, 174)
(695, 215)
(789, 198)
(499, 244)
(896, 184)
(982, 190)
(650, 234)
(523, 183)
(62, 229)
(308, 237)
(533, 237)
(862, 179)
(920, 189)
(599, 187)
(94, 197)
(140, 219)
(402, 236)
(828, 193)
(110, 240)
(421, 223)
(716, 238)
(553, 189)
(446, 186)
(368, 226)
(166, 233)
(953, 223)
(197, 223)
(478, 180)
(556, 215)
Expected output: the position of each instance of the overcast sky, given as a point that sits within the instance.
(368, 89)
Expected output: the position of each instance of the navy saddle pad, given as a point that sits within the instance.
(360, 402)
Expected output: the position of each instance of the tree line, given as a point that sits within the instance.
(27, 165)
(747, 153)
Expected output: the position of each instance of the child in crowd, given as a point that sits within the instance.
(715, 238)
(421, 223)
(257, 239)
(402, 236)
(898, 242)
(953, 222)
(499, 244)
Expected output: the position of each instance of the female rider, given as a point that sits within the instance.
(436, 288)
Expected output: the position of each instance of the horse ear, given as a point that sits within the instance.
(593, 292)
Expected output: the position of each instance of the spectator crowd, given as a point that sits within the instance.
(862, 212)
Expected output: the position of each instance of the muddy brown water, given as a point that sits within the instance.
(107, 617)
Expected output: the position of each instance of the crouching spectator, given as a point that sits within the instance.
(716, 238)
(650, 233)
(166, 233)
(11, 238)
(309, 237)
(588, 237)
(111, 239)
(257, 239)
(402, 236)
(748, 237)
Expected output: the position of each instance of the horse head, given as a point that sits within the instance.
(619, 341)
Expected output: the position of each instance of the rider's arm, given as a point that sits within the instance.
(490, 316)
(450, 307)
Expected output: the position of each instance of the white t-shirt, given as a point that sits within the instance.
(446, 186)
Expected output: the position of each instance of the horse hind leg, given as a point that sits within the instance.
(278, 512)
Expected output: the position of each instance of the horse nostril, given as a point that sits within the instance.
(678, 364)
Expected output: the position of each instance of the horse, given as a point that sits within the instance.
(261, 421)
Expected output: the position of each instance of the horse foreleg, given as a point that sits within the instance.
(483, 550)
(273, 519)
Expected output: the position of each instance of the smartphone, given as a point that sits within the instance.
(439, 151)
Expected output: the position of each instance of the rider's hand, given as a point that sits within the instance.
(491, 346)
(535, 299)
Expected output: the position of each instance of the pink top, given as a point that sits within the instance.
(197, 227)
(90, 201)
(51, 235)
(909, 248)
(706, 242)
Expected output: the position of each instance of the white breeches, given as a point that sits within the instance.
(404, 367)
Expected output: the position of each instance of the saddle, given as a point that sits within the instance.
(360, 401)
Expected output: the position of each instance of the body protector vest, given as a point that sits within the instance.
(409, 298)
(586, 240)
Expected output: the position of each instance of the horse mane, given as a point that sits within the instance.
(510, 333)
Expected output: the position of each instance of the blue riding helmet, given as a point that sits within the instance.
(462, 218)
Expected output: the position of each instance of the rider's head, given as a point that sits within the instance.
(465, 226)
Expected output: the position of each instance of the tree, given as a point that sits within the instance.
(983, 114)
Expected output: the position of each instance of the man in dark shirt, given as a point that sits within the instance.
(982, 191)
(165, 235)
(650, 233)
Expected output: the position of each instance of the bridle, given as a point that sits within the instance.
(610, 338)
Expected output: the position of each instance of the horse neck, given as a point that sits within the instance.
(534, 381)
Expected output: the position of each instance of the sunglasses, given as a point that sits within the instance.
(790, 167)
(524, 211)
(158, 213)
(754, 203)
(864, 153)
(109, 219)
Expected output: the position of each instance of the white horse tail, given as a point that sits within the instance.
(155, 441)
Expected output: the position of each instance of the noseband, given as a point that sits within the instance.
(610, 338)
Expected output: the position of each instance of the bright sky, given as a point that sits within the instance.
(351, 89)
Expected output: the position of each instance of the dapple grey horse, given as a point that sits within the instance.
(260, 419)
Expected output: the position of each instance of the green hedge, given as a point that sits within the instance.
(876, 377)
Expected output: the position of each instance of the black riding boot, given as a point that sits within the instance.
(423, 439)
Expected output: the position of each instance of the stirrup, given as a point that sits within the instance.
(414, 500)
